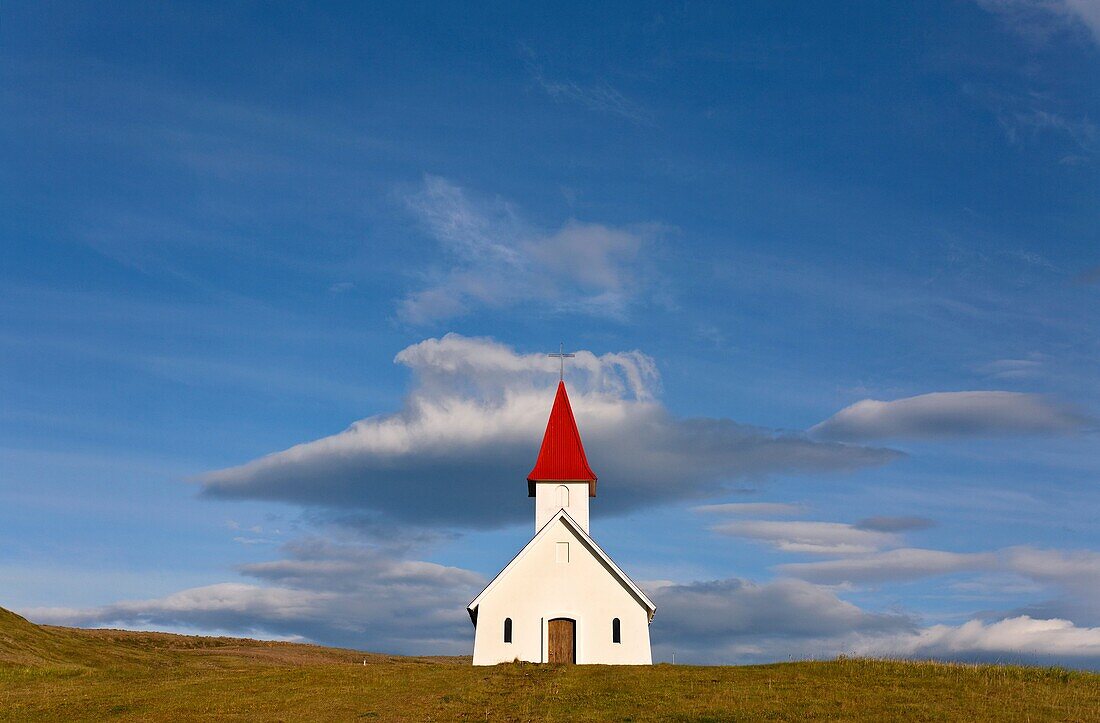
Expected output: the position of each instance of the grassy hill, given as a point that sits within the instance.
(50, 673)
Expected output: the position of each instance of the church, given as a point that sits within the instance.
(562, 599)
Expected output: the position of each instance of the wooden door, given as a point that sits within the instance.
(563, 646)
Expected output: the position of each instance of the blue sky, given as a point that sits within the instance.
(834, 272)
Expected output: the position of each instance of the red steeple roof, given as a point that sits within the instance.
(561, 458)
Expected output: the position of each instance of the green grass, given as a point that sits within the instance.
(49, 673)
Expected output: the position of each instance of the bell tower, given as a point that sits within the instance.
(561, 478)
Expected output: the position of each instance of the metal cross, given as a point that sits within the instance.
(560, 354)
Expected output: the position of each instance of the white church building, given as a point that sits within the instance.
(562, 599)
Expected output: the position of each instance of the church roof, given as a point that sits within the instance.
(561, 457)
(587, 540)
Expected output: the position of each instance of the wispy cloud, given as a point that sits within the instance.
(895, 524)
(495, 258)
(820, 538)
(1013, 368)
(1031, 119)
(751, 508)
(1038, 20)
(242, 540)
(598, 96)
(899, 564)
(1020, 124)
(946, 415)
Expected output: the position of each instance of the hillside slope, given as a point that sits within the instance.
(26, 644)
(49, 673)
(19, 638)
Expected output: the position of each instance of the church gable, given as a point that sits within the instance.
(562, 542)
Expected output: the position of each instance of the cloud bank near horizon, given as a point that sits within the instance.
(347, 595)
(726, 621)
(457, 452)
(362, 597)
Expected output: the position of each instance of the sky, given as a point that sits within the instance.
(279, 281)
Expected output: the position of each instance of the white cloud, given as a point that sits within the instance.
(739, 620)
(1022, 639)
(496, 259)
(458, 452)
(821, 538)
(950, 414)
(892, 565)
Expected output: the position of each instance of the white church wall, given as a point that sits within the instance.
(539, 588)
(548, 498)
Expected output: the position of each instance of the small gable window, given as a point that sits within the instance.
(616, 631)
(508, 629)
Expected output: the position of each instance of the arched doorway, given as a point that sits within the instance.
(563, 640)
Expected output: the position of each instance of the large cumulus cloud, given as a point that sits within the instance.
(457, 453)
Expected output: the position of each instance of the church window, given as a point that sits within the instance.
(563, 551)
(563, 496)
(616, 631)
(507, 630)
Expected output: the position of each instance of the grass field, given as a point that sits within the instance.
(49, 673)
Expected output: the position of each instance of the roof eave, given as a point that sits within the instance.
(532, 482)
